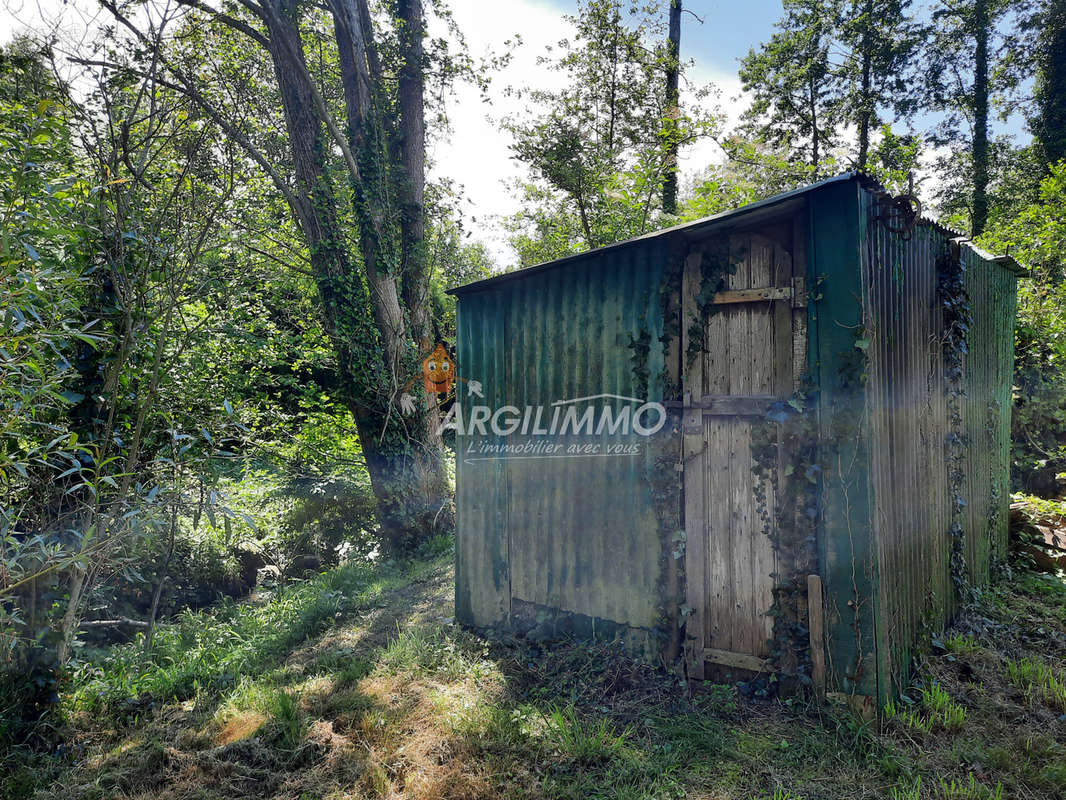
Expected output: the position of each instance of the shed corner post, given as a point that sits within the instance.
(846, 546)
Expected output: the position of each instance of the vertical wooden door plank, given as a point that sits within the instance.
(694, 458)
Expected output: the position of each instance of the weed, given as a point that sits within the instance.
(942, 710)
(1039, 682)
(344, 666)
(908, 717)
(959, 790)
(431, 650)
(913, 792)
(207, 650)
(586, 743)
(289, 722)
(853, 734)
(779, 794)
(961, 645)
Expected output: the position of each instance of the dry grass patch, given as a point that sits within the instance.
(241, 725)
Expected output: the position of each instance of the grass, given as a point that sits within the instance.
(355, 685)
(1040, 682)
(209, 650)
(936, 712)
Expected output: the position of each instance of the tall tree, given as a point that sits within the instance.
(600, 150)
(373, 291)
(673, 100)
(966, 68)
(878, 43)
(1049, 123)
(795, 97)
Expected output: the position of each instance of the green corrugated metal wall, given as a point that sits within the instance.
(581, 536)
(574, 534)
(912, 437)
(849, 569)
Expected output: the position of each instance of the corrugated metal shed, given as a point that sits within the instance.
(815, 380)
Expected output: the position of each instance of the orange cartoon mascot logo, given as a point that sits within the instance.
(439, 378)
(438, 370)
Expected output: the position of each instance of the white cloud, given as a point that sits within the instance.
(476, 151)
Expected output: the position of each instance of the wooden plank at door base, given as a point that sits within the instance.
(816, 627)
(727, 658)
(752, 295)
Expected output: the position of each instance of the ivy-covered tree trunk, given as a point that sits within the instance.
(673, 100)
(980, 117)
(375, 353)
(1050, 123)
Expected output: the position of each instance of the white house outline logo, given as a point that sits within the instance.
(552, 431)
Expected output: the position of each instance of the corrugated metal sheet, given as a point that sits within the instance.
(909, 411)
(848, 563)
(908, 416)
(689, 230)
(992, 290)
(575, 534)
(581, 535)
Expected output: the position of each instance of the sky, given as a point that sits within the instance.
(474, 152)
(477, 153)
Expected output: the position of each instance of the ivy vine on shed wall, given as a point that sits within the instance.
(954, 303)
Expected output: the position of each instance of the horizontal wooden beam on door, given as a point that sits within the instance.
(736, 405)
(753, 295)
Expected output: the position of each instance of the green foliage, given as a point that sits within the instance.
(778, 794)
(584, 742)
(1036, 236)
(43, 226)
(753, 172)
(210, 650)
(1040, 682)
(1049, 124)
(597, 154)
(794, 96)
(937, 711)
(942, 710)
(957, 789)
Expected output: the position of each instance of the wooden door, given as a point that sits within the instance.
(747, 362)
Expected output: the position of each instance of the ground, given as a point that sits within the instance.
(359, 685)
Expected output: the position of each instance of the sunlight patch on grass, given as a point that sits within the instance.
(239, 726)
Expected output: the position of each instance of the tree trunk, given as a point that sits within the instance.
(673, 111)
(980, 114)
(866, 105)
(374, 358)
(1050, 127)
(412, 142)
(164, 574)
(813, 108)
(71, 616)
